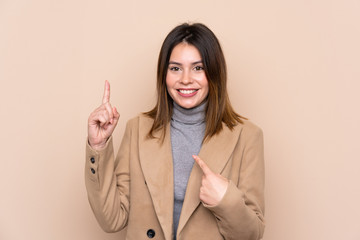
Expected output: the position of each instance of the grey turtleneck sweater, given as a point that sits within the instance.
(187, 132)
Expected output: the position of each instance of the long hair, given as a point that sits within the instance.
(218, 107)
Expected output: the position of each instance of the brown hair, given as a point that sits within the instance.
(218, 107)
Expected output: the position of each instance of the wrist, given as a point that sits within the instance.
(98, 146)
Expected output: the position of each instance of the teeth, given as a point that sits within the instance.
(187, 91)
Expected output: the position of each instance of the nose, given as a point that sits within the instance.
(186, 77)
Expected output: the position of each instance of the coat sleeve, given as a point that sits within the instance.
(240, 214)
(107, 183)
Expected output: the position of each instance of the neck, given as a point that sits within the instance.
(191, 115)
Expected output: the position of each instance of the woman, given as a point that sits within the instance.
(153, 186)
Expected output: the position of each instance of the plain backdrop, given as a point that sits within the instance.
(294, 70)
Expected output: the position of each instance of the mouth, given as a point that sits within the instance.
(187, 92)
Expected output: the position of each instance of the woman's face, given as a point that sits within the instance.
(186, 80)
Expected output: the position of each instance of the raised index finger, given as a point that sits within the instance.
(106, 97)
(206, 170)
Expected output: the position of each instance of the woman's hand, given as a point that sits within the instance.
(213, 186)
(102, 121)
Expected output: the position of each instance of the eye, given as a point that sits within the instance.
(175, 69)
(198, 68)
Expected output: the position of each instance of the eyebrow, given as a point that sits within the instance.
(194, 63)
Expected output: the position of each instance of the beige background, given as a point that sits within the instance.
(294, 69)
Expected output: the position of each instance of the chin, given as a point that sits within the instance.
(187, 105)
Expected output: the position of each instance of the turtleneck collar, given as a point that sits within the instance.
(194, 115)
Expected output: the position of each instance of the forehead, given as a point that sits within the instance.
(185, 52)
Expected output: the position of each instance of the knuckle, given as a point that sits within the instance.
(104, 117)
(105, 112)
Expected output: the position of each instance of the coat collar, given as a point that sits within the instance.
(157, 166)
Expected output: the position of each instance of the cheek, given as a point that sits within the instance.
(207, 89)
(170, 86)
(206, 93)
(169, 81)
(206, 86)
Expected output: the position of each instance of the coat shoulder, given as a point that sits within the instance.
(141, 124)
(140, 119)
(250, 128)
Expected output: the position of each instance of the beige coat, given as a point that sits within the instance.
(136, 189)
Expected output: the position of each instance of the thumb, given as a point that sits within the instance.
(206, 170)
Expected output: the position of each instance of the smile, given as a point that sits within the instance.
(187, 92)
(183, 91)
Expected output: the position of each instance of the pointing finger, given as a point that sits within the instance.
(206, 170)
(109, 110)
(106, 97)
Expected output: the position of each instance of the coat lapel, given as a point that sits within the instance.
(215, 152)
(157, 166)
